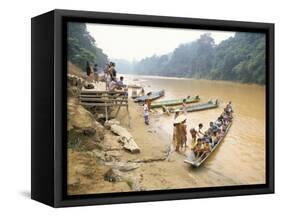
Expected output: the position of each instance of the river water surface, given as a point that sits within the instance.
(241, 156)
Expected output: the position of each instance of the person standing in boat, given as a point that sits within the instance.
(229, 107)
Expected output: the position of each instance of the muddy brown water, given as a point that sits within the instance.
(240, 158)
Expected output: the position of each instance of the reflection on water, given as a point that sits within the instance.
(241, 157)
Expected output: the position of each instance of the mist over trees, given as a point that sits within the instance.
(239, 58)
(124, 66)
(82, 47)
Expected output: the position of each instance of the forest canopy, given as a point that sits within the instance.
(82, 47)
(239, 58)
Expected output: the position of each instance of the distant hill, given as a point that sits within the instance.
(239, 58)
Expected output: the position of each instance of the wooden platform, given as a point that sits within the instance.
(106, 99)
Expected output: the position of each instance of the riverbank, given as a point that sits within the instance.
(239, 160)
(87, 168)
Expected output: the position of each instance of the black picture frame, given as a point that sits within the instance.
(48, 147)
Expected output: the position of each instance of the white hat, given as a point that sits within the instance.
(177, 110)
(180, 119)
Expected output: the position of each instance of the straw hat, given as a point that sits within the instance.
(179, 119)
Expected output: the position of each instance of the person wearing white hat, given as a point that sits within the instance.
(179, 135)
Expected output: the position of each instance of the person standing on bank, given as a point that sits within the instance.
(88, 68)
(146, 112)
(179, 134)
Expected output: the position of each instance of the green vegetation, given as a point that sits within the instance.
(82, 48)
(239, 58)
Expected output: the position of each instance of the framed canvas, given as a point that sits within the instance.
(134, 108)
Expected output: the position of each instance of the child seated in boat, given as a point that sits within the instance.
(207, 137)
(213, 127)
(225, 117)
(205, 148)
(218, 122)
(193, 135)
(224, 127)
(202, 147)
(215, 138)
(198, 130)
(197, 149)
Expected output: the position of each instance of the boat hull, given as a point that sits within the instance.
(174, 102)
(202, 159)
(197, 107)
(153, 96)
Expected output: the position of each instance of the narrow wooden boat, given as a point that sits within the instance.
(174, 102)
(204, 157)
(197, 107)
(134, 86)
(151, 96)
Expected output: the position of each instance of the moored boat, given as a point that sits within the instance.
(151, 96)
(197, 107)
(134, 86)
(174, 102)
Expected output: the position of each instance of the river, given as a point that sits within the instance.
(241, 156)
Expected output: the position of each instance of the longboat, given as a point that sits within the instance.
(204, 157)
(196, 107)
(173, 102)
(151, 96)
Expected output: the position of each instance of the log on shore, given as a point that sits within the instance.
(126, 138)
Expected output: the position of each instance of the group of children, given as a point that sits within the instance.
(203, 143)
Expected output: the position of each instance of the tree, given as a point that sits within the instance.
(82, 48)
(239, 58)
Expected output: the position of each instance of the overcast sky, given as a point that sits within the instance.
(136, 42)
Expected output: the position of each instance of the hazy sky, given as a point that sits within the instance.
(136, 42)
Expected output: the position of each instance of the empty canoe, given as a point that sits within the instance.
(197, 107)
(134, 86)
(174, 102)
(151, 96)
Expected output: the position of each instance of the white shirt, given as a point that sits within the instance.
(199, 131)
(145, 109)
